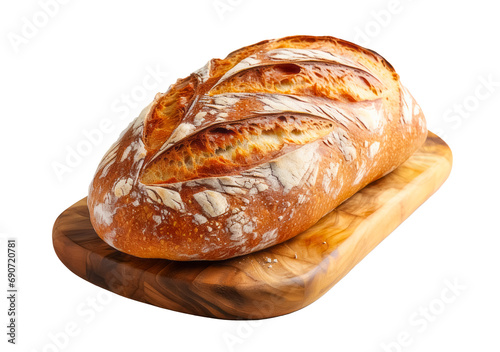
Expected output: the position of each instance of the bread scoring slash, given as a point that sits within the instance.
(253, 149)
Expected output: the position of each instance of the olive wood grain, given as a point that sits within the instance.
(271, 282)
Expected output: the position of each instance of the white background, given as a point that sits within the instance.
(65, 72)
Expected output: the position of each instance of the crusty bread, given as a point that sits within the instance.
(253, 149)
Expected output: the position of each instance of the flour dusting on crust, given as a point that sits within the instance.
(212, 203)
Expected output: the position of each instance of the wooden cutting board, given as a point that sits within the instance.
(274, 281)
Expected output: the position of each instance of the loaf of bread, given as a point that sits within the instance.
(253, 149)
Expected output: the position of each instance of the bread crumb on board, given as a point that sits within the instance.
(268, 260)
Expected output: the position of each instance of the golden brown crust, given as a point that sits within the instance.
(253, 149)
